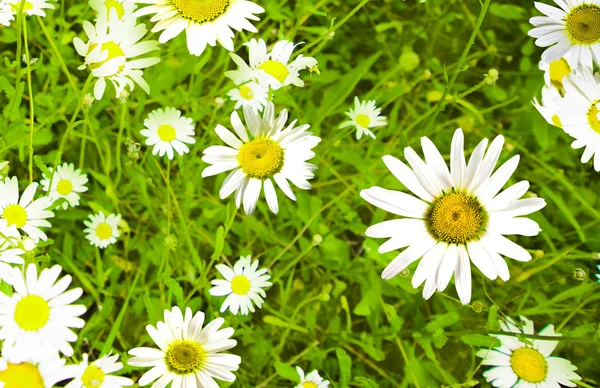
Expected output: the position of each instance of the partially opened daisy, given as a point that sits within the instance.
(311, 380)
(264, 153)
(123, 8)
(188, 355)
(555, 72)
(364, 116)
(243, 284)
(270, 69)
(168, 130)
(30, 373)
(26, 214)
(97, 374)
(10, 250)
(102, 230)
(528, 365)
(251, 95)
(549, 108)
(67, 183)
(38, 317)
(205, 22)
(572, 29)
(456, 217)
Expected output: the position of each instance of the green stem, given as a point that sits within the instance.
(31, 104)
(19, 40)
(119, 143)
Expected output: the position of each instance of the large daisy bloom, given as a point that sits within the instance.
(168, 130)
(243, 284)
(38, 317)
(458, 215)
(311, 380)
(269, 152)
(270, 69)
(67, 183)
(110, 53)
(97, 374)
(249, 94)
(123, 8)
(26, 214)
(10, 250)
(205, 22)
(16, 373)
(364, 116)
(102, 230)
(572, 29)
(526, 365)
(549, 108)
(188, 355)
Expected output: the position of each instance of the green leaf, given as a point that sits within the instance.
(492, 320)
(345, 367)
(272, 320)
(286, 371)
(175, 288)
(479, 340)
(366, 382)
(219, 243)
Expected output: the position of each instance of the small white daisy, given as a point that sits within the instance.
(270, 69)
(311, 380)
(189, 355)
(97, 374)
(526, 365)
(30, 373)
(549, 108)
(243, 284)
(458, 215)
(26, 214)
(38, 317)
(102, 231)
(269, 153)
(205, 22)
(10, 250)
(251, 95)
(168, 130)
(9, 9)
(110, 54)
(67, 183)
(123, 8)
(364, 116)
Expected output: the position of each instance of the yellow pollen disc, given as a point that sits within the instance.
(114, 51)
(363, 120)
(309, 384)
(104, 231)
(556, 121)
(277, 70)
(592, 116)
(167, 133)
(15, 215)
(21, 376)
(92, 377)
(184, 357)
(529, 364)
(202, 11)
(456, 218)
(558, 70)
(32, 313)
(246, 92)
(110, 4)
(240, 285)
(261, 158)
(583, 24)
(64, 187)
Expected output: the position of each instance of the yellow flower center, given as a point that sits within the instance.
(592, 116)
(261, 158)
(309, 384)
(110, 4)
(184, 357)
(27, 7)
(104, 231)
(240, 285)
(167, 133)
(15, 215)
(114, 51)
(363, 120)
(246, 92)
(32, 313)
(202, 11)
(529, 364)
(64, 187)
(558, 70)
(21, 376)
(583, 24)
(277, 70)
(556, 121)
(456, 218)
(92, 377)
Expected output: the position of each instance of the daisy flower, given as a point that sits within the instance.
(205, 22)
(168, 130)
(110, 51)
(16, 373)
(251, 95)
(122, 8)
(26, 214)
(457, 215)
(270, 69)
(102, 231)
(269, 153)
(525, 365)
(9, 9)
(188, 355)
(10, 251)
(365, 115)
(555, 72)
(243, 284)
(572, 29)
(38, 317)
(67, 183)
(97, 374)
(549, 108)
(311, 380)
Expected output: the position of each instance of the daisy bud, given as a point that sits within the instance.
(477, 306)
(408, 60)
(579, 274)
(170, 242)
(317, 239)
(491, 77)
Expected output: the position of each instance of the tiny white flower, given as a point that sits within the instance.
(67, 183)
(102, 231)
(9, 9)
(364, 116)
(550, 107)
(97, 374)
(311, 380)
(168, 130)
(249, 94)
